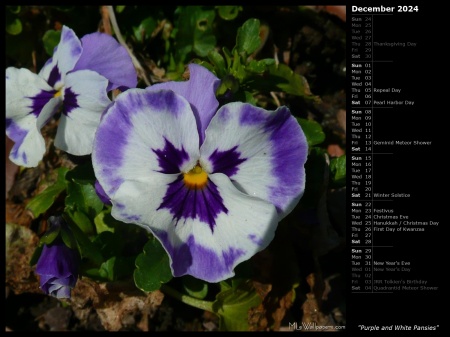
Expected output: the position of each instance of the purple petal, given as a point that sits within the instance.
(58, 260)
(101, 193)
(200, 91)
(103, 54)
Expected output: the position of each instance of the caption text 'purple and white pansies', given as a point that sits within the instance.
(211, 184)
(76, 79)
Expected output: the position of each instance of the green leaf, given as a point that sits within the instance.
(152, 267)
(86, 248)
(119, 9)
(259, 66)
(232, 306)
(116, 268)
(286, 80)
(14, 26)
(83, 198)
(82, 220)
(228, 56)
(109, 244)
(219, 63)
(313, 131)
(195, 287)
(36, 255)
(228, 12)
(194, 32)
(105, 222)
(50, 235)
(68, 238)
(44, 200)
(14, 9)
(338, 170)
(145, 29)
(51, 39)
(247, 39)
(82, 174)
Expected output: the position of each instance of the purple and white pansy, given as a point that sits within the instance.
(77, 79)
(210, 183)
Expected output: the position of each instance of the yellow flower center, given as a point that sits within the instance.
(58, 93)
(195, 178)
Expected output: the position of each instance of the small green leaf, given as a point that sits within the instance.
(152, 267)
(286, 80)
(249, 98)
(14, 26)
(36, 255)
(195, 33)
(228, 56)
(105, 222)
(14, 9)
(232, 306)
(68, 238)
(313, 131)
(50, 235)
(86, 248)
(109, 244)
(82, 174)
(195, 287)
(51, 39)
(219, 63)
(44, 200)
(145, 29)
(228, 12)
(82, 220)
(247, 39)
(83, 198)
(259, 66)
(117, 267)
(338, 170)
(119, 9)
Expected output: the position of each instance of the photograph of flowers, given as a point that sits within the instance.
(175, 168)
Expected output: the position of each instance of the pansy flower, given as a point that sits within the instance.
(76, 80)
(58, 265)
(210, 183)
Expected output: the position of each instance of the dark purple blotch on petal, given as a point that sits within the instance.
(54, 76)
(203, 203)
(226, 162)
(170, 158)
(39, 101)
(70, 101)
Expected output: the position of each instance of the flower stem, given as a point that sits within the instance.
(194, 302)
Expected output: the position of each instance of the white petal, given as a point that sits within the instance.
(263, 152)
(144, 133)
(65, 56)
(29, 105)
(85, 100)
